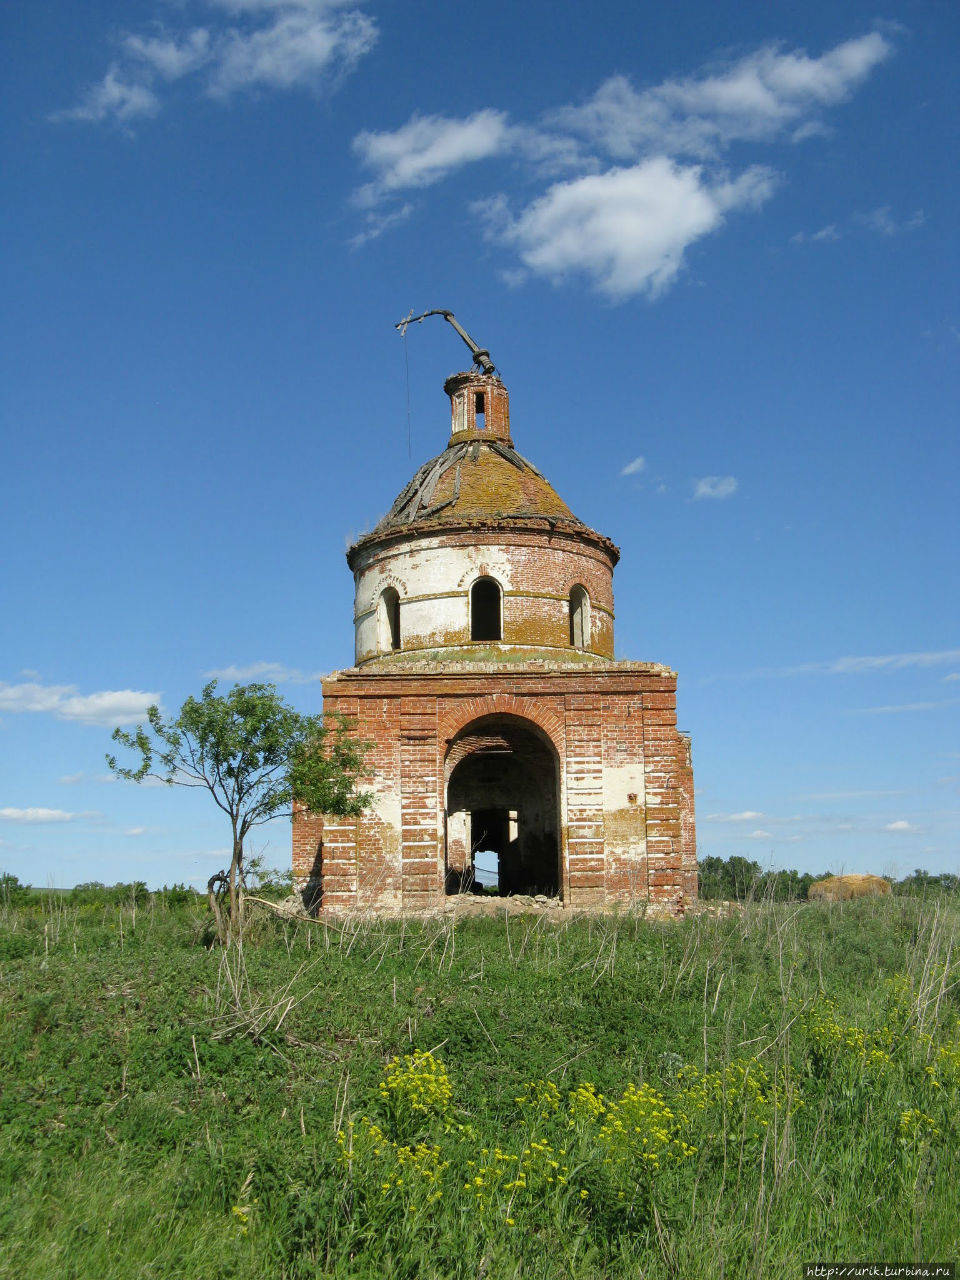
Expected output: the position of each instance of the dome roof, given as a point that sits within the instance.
(476, 480)
(479, 481)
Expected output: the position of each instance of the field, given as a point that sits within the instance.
(494, 1097)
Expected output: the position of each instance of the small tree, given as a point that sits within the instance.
(256, 756)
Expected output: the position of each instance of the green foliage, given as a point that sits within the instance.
(268, 881)
(12, 892)
(92, 892)
(177, 895)
(924, 884)
(256, 756)
(737, 879)
(598, 1097)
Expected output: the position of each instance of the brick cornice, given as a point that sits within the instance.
(500, 531)
(620, 677)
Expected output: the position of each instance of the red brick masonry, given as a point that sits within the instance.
(625, 782)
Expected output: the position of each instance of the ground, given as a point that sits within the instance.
(527, 1095)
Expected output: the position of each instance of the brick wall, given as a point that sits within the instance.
(611, 770)
(536, 570)
(625, 795)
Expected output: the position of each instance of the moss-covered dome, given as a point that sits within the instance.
(480, 549)
(479, 480)
(476, 480)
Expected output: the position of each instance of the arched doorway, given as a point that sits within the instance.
(502, 789)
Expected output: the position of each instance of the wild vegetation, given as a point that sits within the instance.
(508, 1097)
(257, 757)
(736, 879)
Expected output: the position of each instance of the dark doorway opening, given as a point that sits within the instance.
(492, 834)
(503, 829)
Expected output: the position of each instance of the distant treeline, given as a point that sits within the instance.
(94, 893)
(134, 893)
(730, 879)
(734, 879)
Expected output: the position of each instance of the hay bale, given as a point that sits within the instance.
(843, 888)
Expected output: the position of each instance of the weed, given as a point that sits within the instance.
(584, 1098)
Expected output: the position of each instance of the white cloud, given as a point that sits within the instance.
(907, 706)
(377, 223)
(33, 697)
(635, 203)
(755, 98)
(426, 149)
(514, 277)
(880, 662)
(880, 221)
(279, 44)
(854, 795)
(108, 707)
(760, 835)
(135, 831)
(634, 468)
(122, 706)
(301, 45)
(884, 224)
(43, 815)
(272, 672)
(78, 779)
(900, 825)
(748, 815)
(858, 665)
(954, 675)
(626, 229)
(828, 232)
(115, 97)
(715, 487)
(168, 57)
(809, 129)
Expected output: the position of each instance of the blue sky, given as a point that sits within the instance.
(713, 251)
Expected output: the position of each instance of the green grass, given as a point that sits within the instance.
(172, 1111)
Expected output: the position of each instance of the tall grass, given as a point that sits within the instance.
(508, 1096)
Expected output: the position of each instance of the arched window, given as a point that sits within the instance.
(388, 620)
(485, 623)
(579, 618)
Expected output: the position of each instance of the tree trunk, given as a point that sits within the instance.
(236, 862)
(219, 879)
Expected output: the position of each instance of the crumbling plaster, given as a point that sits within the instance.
(621, 805)
(433, 576)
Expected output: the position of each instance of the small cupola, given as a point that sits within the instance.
(479, 408)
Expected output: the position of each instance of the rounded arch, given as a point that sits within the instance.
(478, 733)
(486, 610)
(461, 714)
(579, 616)
(388, 620)
(502, 806)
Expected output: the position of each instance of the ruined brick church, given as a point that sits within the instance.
(500, 719)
